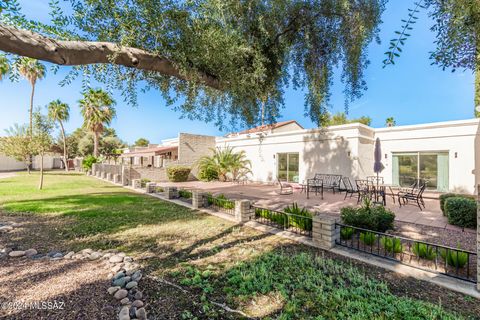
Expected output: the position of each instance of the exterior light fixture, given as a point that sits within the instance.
(456, 153)
(386, 156)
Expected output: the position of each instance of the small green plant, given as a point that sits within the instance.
(346, 233)
(178, 173)
(88, 162)
(143, 182)
(368, 238)
(454, 258)
(273, 216)
(221, 201)
(424, 251)
(443, 198)
(159, 189)
(184, 194)
(296, 220)
(392, 245)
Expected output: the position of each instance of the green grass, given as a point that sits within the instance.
(260, 274)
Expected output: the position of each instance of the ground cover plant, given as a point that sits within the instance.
(210, 259)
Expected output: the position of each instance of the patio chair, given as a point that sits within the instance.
(331, 181)
(374, 180)
(363, 189)
(285, 188)
(349, 189)
(415, 195)
(315, 184)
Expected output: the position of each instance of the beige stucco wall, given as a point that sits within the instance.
(10, 164)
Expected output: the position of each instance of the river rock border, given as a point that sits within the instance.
(125, 275)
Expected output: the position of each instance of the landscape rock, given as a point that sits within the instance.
(6, 228)
(58, 255)
(120, 294)
(125, 301)
(119, 275)
(17, 253)
(112, 290)
(127, 259)
(141, 314)
(131, 284)
(30, 252)
(116, 259)
(116, 268)
(137, 276)
(95, 256)
(138, 295)
(69, 255)
(137, 303)
(121, 282)
(133, 312)
(124, 313)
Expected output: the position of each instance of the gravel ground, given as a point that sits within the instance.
(69, 289)
(446, 237)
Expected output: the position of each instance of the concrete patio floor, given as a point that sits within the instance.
(267, 196)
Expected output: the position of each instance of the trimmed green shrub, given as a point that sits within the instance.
(454, 258)
(299, 222)
(221, 201)
(178, 173)
(368, 238)
(445, 196)
(184, 194)
(376, 218)
(88, 162)
(424, 251)
(207, 173)
(391, 244)
(461, 212)
(346, 233)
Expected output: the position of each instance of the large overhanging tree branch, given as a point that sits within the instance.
(74, 53)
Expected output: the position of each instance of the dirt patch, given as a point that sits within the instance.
(63, 289)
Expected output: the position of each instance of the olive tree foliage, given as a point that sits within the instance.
(211, 59)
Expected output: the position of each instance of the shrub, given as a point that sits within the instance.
(221, 201)
(392, 245)
(159, 189)
(461, 212)
(88, 162)
(346, 233)
(178, 173)
(454, 258)
(445, 196)
(224, 164)
(424, 251)
(368, 238)
(273, 216)
(185, 194)
(207, 173)
(296, 219)
(376, 218)
(143, 182)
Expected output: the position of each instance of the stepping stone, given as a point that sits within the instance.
(120, 294)
(18, 253)
(30, 252)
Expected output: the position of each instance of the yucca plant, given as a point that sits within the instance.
(392, 245)
(368, 238)
(296, 220)
(423, 250)
(454, 258)
(346, 233)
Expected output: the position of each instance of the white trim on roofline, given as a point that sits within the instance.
(432, 125)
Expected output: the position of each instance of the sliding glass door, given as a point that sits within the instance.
(288, 166)
(429, 166)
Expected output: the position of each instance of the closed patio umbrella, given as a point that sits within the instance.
(378, 165)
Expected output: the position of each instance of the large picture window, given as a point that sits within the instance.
(429, 166)
(288, 166)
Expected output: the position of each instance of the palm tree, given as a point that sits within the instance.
(390, 122)
(4, 66)
(60, 112)
(32, 70)
(225, 162)
(97, 111)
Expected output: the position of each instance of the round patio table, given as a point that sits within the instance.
(381, 189)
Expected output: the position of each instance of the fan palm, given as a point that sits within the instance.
(4, 66)
(226, 162)
(97, 111)
(390, 122)
(32, 70)
(60, 112)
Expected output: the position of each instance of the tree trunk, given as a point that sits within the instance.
(65, 155)
(31, 108)
(70, 53)
(28, 167)
(40, 185)
(95, 144)
(477, 90)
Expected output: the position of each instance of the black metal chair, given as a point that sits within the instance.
(416, 194)
(285, 188)
(316, 185)
(364, 190)
(349, 188)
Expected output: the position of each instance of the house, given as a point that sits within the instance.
(52, 161)
(444, 153)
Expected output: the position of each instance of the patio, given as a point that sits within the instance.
(267, 196)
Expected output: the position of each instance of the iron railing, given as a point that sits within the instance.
(185, 195)
(285, 221)
(453, 262)
(220, 204)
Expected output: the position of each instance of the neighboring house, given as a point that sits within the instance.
(49, 162)
(444, 153)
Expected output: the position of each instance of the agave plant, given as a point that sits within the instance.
(368, 238)
(454, 258)
(424, 251)
(392, 244)
(346, 233)
(224, 163)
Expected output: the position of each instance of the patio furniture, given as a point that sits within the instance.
(364, 190)
(415, 195)
(285, 188)
(315, 184)
(330, 181)
(349, 188)
(375, 180)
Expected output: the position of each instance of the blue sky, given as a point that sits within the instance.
(412, 91)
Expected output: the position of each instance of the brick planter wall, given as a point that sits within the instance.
(324, 232)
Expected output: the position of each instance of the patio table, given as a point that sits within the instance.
(381, 188)
(316, 184)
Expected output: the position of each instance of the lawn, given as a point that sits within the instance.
(197, 261)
